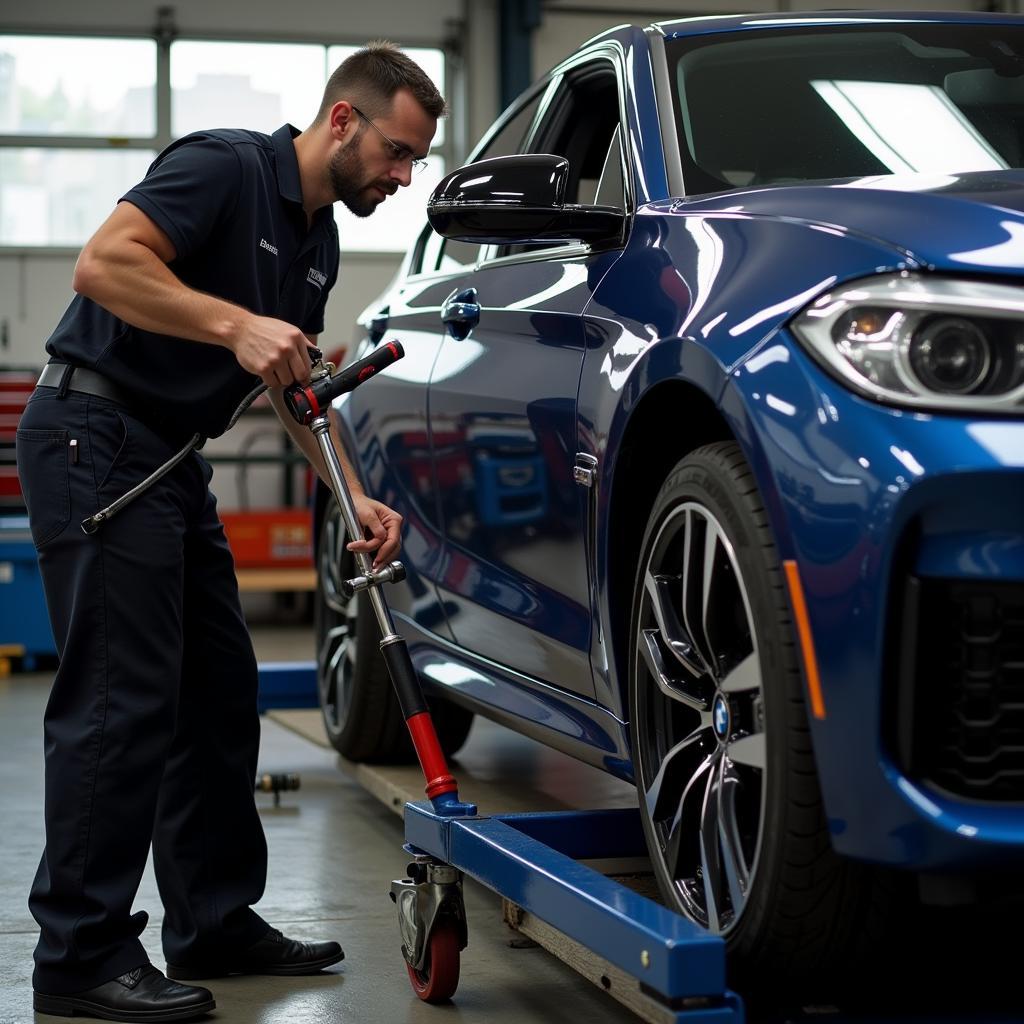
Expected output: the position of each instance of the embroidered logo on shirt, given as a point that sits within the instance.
(315, 277)
(264, 244)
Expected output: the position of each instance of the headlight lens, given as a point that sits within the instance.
(951, 355)
(925, 342)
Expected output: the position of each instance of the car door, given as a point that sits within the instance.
(514, 574)
(388, 425)
(388, 421)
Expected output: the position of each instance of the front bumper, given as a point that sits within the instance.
(908, 532)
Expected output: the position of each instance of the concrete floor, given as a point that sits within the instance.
(334, 849)
(333, 852)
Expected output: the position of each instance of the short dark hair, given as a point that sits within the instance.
(370, 78)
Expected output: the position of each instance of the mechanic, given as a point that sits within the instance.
(209, 276)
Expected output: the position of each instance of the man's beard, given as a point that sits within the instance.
(348, 173)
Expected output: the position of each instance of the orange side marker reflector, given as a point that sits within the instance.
(803, 628)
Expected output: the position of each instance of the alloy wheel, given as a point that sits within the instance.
(701, 757)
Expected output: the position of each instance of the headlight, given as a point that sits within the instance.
(923, 342)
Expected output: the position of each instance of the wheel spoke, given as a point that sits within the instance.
(712, 536)
(749, 751)
(698, 547)
(668, 771)
(334, 600)
(335, 626)
(328, 683)
(330, 569)
(674, 845)
(672, 688)
(710, 862)
(744, 676)
(661, 591)
(736, 871)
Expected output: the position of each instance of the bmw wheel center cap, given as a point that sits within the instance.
(721, 717)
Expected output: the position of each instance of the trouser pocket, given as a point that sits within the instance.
(43, 471)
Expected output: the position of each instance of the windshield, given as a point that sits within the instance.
(777, 107)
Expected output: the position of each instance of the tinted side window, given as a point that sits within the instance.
(611, 186)
(581, 123)
(511, 138)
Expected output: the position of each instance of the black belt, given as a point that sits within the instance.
(66, 377)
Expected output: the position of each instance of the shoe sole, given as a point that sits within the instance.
(70, 1006)
(180, 973)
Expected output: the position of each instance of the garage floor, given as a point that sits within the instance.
(333, 850)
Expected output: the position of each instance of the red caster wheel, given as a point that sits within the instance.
(440, 975)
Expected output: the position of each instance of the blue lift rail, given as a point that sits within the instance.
(533, 860)
(287, 684)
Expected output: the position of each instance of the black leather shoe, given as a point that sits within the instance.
(273, 954)
(143, 994)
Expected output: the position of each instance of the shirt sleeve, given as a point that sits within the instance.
(190, 188)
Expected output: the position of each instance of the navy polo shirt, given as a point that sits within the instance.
(231, 202)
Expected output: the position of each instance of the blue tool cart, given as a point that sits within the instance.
(24, 625)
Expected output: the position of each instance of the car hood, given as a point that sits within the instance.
(947, 222)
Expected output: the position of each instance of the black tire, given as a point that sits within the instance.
(729, 794)
(359, 706)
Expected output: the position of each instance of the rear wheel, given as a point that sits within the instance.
(728, 791)
(359, 706)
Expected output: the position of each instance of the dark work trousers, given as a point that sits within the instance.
(151, 730)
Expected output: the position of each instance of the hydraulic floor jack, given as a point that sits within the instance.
(431, 912)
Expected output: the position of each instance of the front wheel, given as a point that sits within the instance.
(360, 710)
(728, 791)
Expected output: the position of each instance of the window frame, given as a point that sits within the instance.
(165, 36)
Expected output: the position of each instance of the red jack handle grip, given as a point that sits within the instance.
(307, 401)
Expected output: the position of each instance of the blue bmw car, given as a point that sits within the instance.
(709, 441)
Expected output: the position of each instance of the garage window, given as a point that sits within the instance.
(82, 117)
(72, 138)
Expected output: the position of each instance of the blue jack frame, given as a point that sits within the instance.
(532, 860)
(287, 684)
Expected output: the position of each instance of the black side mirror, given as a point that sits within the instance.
(517, 198)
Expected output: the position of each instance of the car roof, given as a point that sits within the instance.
(710, 24)
(789, 20)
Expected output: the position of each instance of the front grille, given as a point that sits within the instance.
(962, 690)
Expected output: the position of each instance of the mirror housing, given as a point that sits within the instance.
(518, 198)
